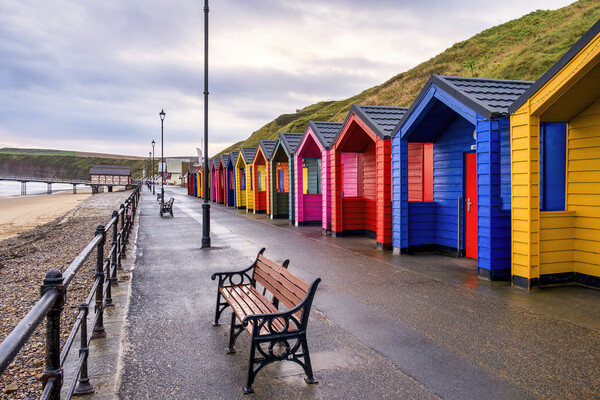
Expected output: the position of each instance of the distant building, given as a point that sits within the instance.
(111, 175)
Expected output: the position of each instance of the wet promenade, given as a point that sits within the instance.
(382, 326)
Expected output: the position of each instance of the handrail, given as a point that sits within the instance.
(51, 303)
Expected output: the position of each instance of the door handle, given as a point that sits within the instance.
(469, 204)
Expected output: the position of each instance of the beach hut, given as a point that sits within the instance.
(214, 180)
(282, 175)
(200, 179)
(312, 167)
(243, 178)
(221, 174)
(230, 179)
(451, 161)
(361, 173)
(555, 160)
(260, 163)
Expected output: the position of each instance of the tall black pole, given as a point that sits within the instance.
(153, 191)
(162, 161)
(205, 204)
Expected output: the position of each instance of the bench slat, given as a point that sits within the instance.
(284, 294)
(301, 283)
(246, 300)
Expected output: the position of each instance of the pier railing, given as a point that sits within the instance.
(53, 292)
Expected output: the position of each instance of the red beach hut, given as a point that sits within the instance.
(260, 175)
(361, 173)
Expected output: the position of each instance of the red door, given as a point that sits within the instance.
(471, 206)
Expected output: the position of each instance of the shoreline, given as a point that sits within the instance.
(19, 214)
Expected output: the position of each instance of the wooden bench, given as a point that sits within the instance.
(276, 335)
(167, 207)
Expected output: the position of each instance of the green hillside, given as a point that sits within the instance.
(61, 166)
(521, 49)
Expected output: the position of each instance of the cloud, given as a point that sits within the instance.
(92, 76)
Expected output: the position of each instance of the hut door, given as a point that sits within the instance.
(471, 206)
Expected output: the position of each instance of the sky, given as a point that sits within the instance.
(94, 75)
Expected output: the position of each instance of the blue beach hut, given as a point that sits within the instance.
(230, 179)
(451, 171)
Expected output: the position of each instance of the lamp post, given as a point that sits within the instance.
(153, 143)
(162, 160)
(205, 204)
(149, 163)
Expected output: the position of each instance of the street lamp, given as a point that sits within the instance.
(205, 204)
(149, 165)
(162, 160)
(153, 143)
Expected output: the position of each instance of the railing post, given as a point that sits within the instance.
(115, 249)
(99, 309)
(124, 230)
(84, 386)
(53, 281)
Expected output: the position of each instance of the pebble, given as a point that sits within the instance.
(24, 260)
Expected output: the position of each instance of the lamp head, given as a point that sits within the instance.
(162, 115)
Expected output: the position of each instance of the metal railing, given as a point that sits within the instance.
(53, 291)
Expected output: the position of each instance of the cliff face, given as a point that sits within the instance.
(65, 167)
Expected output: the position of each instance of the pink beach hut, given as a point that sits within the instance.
(312, 175)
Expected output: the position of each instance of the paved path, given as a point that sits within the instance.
(383, 326)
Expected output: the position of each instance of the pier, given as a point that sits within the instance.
(50, 180)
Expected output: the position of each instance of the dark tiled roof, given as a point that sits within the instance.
(291, 141)
(224, 160)
(248, 154)
(488, 97)
(216, 162)
(233, 156)
(267, 147)
(576, 48)
(381, 119)
(120, 170)
(326, 132)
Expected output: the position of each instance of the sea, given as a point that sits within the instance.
(13, 188)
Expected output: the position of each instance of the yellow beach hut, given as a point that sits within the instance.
(555, 172)
(243, 178)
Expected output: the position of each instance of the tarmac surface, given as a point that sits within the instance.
(382, 326)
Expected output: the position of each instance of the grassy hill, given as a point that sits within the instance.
(521, 49)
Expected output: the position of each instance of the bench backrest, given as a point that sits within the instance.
(280, 282)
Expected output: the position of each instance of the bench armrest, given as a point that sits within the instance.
(234, 277)
(294, 319)
(227, 278)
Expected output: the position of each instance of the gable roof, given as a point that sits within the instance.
(233, 156)
(248, 154)
(326, 132)
(381, 119)
(576, 48)
(119, 170)
(290, 141)
(216, 162)
(224, 160)
(267, 147)
(489, 98)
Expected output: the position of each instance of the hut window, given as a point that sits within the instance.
(259, 181)
(231, 186)
(349, 174)
(221, 179)
(242, 178)
(420, 172)
(553, 159)
(280, 181)
(311, 175)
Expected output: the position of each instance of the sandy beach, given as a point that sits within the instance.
(20, 214)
